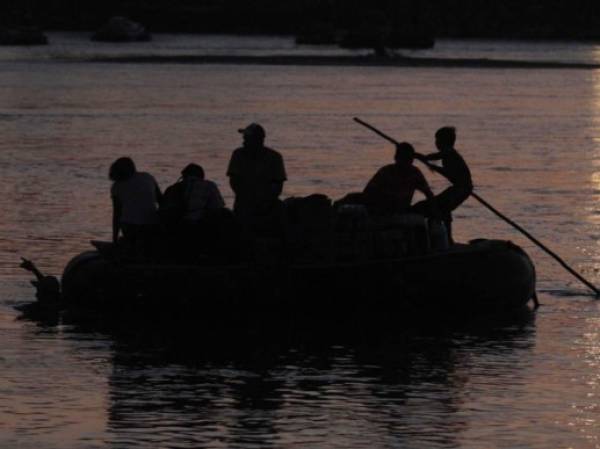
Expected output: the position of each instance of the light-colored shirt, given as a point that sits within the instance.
(201, 195)
(137, 196)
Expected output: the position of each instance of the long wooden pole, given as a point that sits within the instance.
(498, 214)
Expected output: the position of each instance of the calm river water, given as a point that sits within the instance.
(532, 138)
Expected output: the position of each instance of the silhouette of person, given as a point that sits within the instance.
(47, 287)
(392, 188)
(135, 196)
(455, 169)
(193, 211)
(256, 176)
(191, 197)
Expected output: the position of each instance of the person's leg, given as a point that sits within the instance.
(446, 202)
(423, 207)
(448, 224)
(132, 236)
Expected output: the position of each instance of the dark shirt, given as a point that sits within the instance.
(456, 169)
(392, 188)
(256, 171)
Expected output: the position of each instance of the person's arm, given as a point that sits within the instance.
(376, 194)
(116, 219)
(433, 207)
(373, 185)
(428, 157)
(215, 200)
(279, 178)
(219, 199)
(436, 168)
(30, 266)
(433, 167)
(425, 190)
(277, 188)
(423, 187)
(234, 168)
(235, 184)
(421, 184)
(158, 194)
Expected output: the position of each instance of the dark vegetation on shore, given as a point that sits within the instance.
(346, 61)
(534, 19)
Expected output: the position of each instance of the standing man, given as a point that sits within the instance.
(455, 169)
(256, 176)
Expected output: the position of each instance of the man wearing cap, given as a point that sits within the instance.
(256, 176)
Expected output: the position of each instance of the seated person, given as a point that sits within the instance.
(191, 198)
(135, 197)
(193, 210)
(392, 188)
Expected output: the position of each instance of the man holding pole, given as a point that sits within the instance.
(458, 171)
(455, 169)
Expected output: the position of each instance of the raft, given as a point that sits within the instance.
(490, 275)
(328, 265)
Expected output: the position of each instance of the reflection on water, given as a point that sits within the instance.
(51, 386)
(413, 388)
(412, 393)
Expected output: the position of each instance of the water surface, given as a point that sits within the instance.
(532, 138)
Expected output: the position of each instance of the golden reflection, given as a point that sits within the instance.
(588, 344)
(591, 197)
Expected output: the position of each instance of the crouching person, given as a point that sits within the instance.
(390, 192)
(135, 197)
(189, 210)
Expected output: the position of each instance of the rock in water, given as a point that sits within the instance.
(121, 29)
(22, 36)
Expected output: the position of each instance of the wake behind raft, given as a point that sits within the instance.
(335, 264)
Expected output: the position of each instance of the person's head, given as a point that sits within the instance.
(193, 171)
(47, 289)
(405, 154)
(254, 135)
(445, 138)
(121, 169)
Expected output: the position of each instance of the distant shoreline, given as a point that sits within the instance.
(344, 61)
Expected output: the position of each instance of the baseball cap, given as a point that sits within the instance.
(253, 130)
